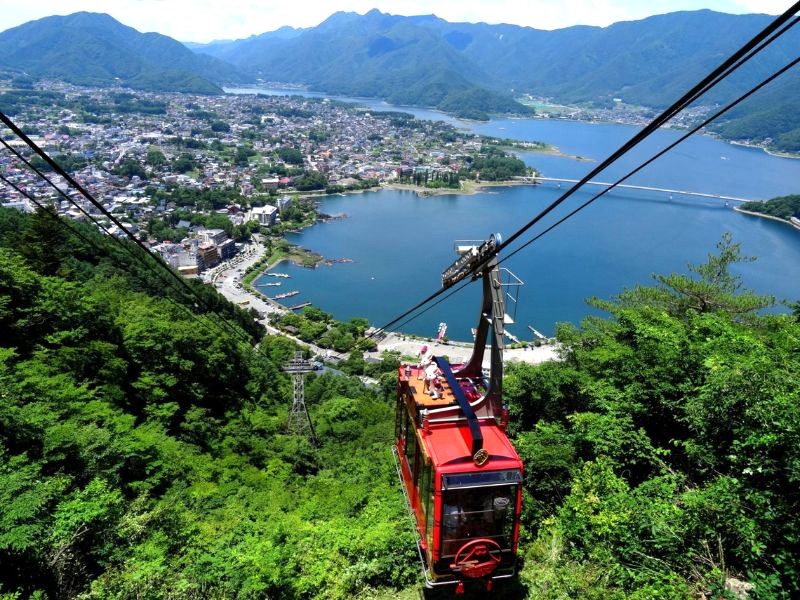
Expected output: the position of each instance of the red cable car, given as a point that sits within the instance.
(460, 473)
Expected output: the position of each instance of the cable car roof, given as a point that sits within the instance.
(449, 446)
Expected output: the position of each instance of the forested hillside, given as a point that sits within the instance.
(768, 118)
(663, 452)
(96, 49)
(143, 453)
(784, 207)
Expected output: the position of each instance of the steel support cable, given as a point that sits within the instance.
(239, 333)
(760, 41)
(97, 247)
(786, 27)
(691, 132)
(689, 97)
(715, 116)
(702, 87)
(453, 292)
(89, 216)
(761, 46)
(137, 257)
(27, 163)
(13, 185)
(58, 169)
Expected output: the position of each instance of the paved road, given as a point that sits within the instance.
(227, 279)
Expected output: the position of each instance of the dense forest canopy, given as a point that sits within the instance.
(143, 451)
(662, 452)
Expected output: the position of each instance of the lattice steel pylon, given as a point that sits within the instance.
(299, 419)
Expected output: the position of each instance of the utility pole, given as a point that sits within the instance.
(299, 419)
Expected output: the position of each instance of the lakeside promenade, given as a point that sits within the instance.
(461, 351)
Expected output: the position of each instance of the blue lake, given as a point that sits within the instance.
(399, 243)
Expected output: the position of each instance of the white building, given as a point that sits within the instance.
(265, 215)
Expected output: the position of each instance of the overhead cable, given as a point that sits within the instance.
(75, 231)
(161, 268)
(691, 132)
(758, 43)
(710, 80)
(58, 169)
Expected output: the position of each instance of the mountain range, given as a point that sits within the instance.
(648, 62)
(469, 69)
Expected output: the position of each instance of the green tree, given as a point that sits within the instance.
(290, 155)
(184, 163)
(129, 168)
(155, 157)
(220, 126)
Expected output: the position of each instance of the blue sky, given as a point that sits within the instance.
(205, 20)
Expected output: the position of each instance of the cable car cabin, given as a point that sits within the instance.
(461, 476)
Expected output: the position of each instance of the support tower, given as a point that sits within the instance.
(299, 419)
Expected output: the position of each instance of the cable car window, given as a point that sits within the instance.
(429, 503)
(411, 445)
(473, 513)
(400, 420)
(426, 496)
(483, 478)
(425, 488)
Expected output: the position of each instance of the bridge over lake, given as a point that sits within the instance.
(538, 179)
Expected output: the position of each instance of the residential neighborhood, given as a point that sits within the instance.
(191, 175)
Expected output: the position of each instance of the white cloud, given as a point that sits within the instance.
(770, 7)
(204, 20)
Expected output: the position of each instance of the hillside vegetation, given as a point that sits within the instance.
(143, 452)
(661, 453)
(783, 207)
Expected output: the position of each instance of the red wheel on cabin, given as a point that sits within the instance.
(477, 558)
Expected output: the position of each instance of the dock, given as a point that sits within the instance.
(537, 334)
(299, 306)
(286, 295)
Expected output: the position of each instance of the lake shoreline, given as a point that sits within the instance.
(469, 189)
(775, 153)
(763, 216)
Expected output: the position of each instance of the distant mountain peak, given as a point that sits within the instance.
(338, 18)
